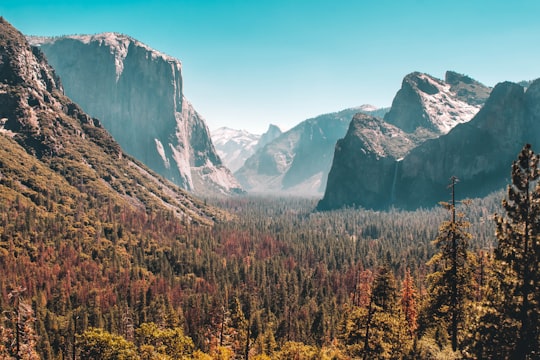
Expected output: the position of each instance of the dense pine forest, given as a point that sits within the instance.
(277, 280)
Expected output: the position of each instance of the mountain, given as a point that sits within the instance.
(235, 146)
(298, 161)
(478, 152)
(137, 93)
(427, 104)
(60, 160)
(363, 159)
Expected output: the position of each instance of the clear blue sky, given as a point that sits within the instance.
(250, 63)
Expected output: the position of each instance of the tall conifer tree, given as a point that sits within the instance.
(450, 283)
(518, 254)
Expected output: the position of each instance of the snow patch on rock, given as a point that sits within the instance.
(161, 152)
(443, 107)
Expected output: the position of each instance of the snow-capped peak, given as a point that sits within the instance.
(442, 105)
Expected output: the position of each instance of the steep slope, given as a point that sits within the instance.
(427, 104)
(235, 146)
(298, 161)
(363, 159)
(137, 93)
(478, 152)
(42, 131)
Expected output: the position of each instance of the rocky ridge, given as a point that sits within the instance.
(235, 146)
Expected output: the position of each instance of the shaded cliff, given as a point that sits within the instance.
(137, 93)
(478, 152)
(365, 164)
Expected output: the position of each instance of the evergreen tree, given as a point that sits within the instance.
(510, 321)
(378, 331)
(450, 283)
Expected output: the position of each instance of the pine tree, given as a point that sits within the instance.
(518, 254)
(450, 283)
(379, 330)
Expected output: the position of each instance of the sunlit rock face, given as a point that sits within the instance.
(58, 157)
(137, 93)
(425, 103)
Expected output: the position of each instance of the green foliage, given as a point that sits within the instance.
(167, 343)
(296, 350)
(508, 324)
(451, 281)
(99, 344)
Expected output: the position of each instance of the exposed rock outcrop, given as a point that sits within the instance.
(298, 161)
(363, 160)
(427, 104)
(236, 146)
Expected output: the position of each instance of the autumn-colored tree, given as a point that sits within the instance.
(378, 331)
(408, 303)
(154, 342)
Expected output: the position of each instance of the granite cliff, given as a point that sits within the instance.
(383, 170)
(236, 146)
(60, 159)
(430, 106)
(137, 93)
(479, 152)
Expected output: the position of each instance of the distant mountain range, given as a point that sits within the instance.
(58, 160)
(298, 161)
(440, 129)
(235, 146)
(137, 93)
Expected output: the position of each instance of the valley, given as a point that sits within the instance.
(129, 231)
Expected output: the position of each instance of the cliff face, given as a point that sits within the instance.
(50, 146)
(365, 164)
(479, 153)
(137, 93)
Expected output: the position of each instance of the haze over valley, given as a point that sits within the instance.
(279, 214)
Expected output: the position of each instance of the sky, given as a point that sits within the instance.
(249, 63)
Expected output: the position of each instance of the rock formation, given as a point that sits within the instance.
(47, 136)
(236, 146)
(437, 140)
(137, 93)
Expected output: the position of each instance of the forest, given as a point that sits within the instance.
(276, 280)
